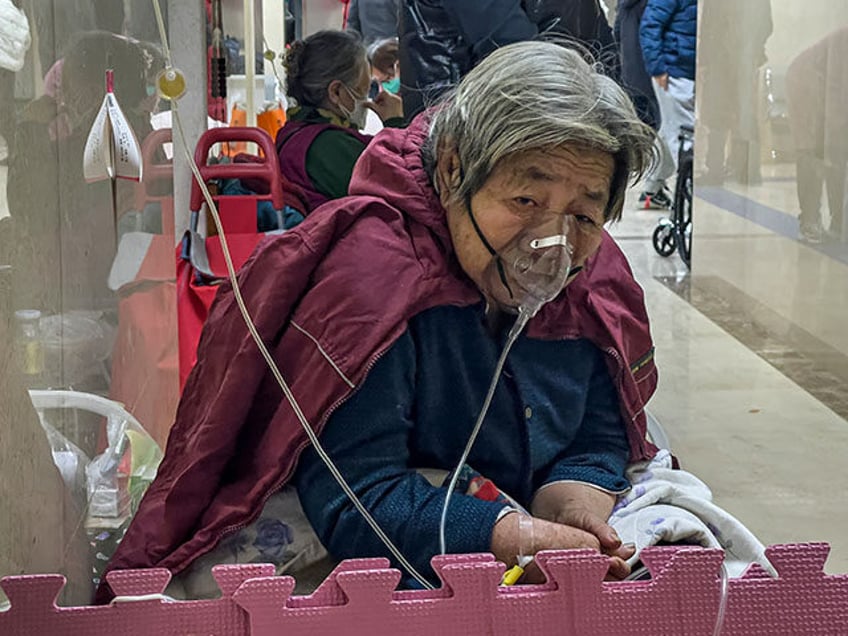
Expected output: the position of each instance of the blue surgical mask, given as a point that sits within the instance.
(392, 85)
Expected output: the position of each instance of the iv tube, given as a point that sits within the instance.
(257, 338)
(722, 604)
(524, 314)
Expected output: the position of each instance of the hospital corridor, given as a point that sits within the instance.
(293, 285)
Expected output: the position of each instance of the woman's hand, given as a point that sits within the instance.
(579, 505)
(386, 105)
(509, 539)
(583, 507)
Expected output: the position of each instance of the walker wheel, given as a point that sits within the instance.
(664, 240)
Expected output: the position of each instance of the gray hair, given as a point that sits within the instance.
(532, 96)
(313, 63)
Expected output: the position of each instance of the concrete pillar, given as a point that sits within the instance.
(187, 39)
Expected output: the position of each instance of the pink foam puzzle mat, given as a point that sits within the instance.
(359, 597)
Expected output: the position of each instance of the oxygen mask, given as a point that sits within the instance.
(532, 268)
(523, 275)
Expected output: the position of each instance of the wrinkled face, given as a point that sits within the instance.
(340, 94)
(522, 190)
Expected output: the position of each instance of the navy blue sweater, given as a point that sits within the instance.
(555, 416)
(668, 35)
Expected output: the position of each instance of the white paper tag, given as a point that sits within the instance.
(112, 150)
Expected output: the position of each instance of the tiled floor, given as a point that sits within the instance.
(752, 348)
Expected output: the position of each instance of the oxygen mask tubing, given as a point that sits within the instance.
(529, 271)
(537, 261)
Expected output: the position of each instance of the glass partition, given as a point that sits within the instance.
(87, 292)
(770, 261)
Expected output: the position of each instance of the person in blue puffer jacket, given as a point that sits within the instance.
(668, 34)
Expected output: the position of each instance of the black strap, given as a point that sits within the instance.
(498, 261)
(477, 227)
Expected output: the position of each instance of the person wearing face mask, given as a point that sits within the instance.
(397, 304)
(385, 70)
(327, 78)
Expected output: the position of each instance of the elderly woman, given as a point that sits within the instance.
(397, 303)
(327, 78)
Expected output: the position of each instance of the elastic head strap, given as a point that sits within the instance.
(477, 229)
(488, 246)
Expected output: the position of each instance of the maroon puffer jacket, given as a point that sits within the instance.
(328, 298)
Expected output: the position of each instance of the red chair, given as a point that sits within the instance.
(200, 262)
(157, 184)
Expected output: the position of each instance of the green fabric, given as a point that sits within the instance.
(330, 160)
(332, 156)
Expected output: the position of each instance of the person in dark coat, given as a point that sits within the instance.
(733, 49)
(373, 19)
(441, 40)
(581, 20)
(634, 77)
(817, 93)
(638, 84)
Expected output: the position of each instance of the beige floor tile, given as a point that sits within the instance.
(772, 453)
(801, 284)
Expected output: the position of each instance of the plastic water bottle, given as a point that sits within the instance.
(30, 345)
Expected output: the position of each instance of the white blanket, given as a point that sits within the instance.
(673, 506)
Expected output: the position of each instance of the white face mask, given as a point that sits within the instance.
(359, 115)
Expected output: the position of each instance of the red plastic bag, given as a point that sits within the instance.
(200, 263)
(144, 357)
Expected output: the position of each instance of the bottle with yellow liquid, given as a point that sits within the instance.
(31, 350)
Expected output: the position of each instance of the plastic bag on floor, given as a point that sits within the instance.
(109, 487)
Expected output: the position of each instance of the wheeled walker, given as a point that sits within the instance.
(675, 232)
